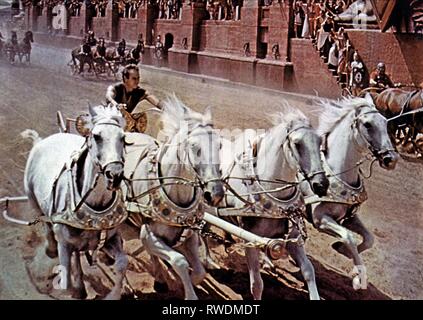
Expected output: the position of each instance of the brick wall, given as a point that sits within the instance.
(222, 36)
(129, 29)
(102, 26)
(310, 74)
(278, 30)
(76, 26)
(172, 27)
(216, 48)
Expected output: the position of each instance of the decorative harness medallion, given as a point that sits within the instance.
(159, 207)
(341, 192)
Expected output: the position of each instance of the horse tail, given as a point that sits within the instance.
(32, 135)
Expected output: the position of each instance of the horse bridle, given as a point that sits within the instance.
(96, 161)
(198, 177)
(354, 125)
(307, 176)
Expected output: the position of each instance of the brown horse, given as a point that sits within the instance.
(392, 103)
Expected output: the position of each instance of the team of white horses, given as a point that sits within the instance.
(84, 186)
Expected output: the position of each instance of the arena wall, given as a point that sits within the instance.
(257, 49)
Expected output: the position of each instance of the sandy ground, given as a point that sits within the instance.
(30, 96)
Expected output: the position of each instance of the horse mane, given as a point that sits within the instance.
(108, 112)
(288, 116)
(335, 111)
(176, 116)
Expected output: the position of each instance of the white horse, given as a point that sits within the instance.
(168, 184)
(258, 162)
(75, 183)
(353, 128)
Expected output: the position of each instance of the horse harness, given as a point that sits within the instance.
(340, 191)
(155, 204)
(80, 215)
(261, 203)
(406, 109)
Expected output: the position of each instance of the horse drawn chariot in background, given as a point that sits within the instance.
(102, 59)
(402, 105)
(404, 111)
(11, 48)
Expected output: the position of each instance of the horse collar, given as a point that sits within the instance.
(266, 205)
(159, 207)
(80, 215)
(340, 191)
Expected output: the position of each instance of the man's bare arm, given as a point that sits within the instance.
(154, 101)
(111, 94)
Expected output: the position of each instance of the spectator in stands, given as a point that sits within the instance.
(339, 7)
(298, 18)
(357, 73)
(344, 54)
(235, 8)
(306, 6)
(324, 42)
(213, 8)
(312, 17)
(379, 79)
(333, 58)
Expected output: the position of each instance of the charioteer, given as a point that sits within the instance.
(127, 94)
(379, 79)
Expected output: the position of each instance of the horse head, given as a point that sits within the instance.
(198, 146)
(367, 125)
(301, 145)
(103, 129)
(370, 131)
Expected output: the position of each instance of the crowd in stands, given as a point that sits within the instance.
(309, 15)
(316, 20)
(169, 9)
(74, 7)
(224, 9)
(128, 8)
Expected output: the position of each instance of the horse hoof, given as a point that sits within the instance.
(342, 249)
(80, 294)
(356, 283)
(160, 287)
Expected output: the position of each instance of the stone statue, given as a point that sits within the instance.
(360, 12)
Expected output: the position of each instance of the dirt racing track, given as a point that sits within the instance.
(30, 97)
